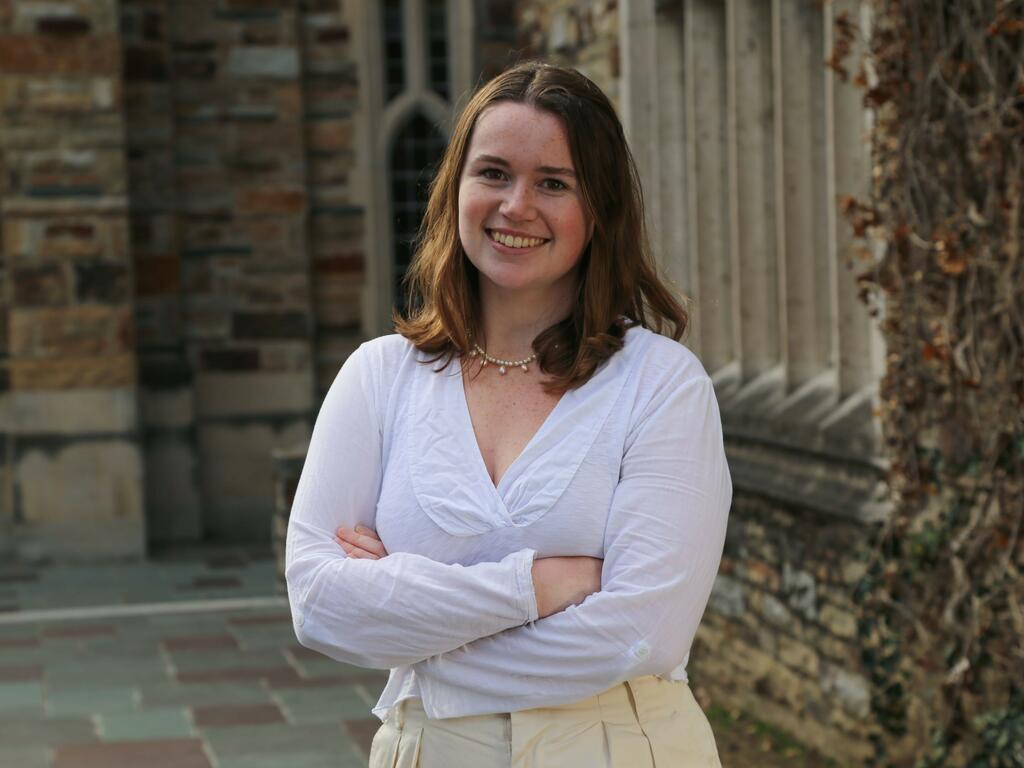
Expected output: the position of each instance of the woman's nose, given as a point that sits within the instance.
(518, 203)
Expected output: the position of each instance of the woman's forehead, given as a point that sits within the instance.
(521, 134)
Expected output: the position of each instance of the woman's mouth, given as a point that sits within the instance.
(516, 242)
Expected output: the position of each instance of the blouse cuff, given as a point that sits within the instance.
(524, 584)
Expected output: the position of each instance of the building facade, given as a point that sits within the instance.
(206, 205)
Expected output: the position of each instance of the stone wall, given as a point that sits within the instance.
(336, 216)
(182, 260)
(778, 639)
(167, 408)
(241, 180)
(69, 410)
(252, 295)
(579, 33)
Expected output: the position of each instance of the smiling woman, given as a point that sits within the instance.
(518, 502)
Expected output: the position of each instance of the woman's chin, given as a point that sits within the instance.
(509, 280)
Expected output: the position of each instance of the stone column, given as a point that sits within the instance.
(76, 471)
(167, 407)
(331, 96)
(243, 206)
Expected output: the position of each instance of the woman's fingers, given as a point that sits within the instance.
(353, 551)
(362, 539)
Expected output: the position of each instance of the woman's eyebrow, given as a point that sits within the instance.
(548, 169)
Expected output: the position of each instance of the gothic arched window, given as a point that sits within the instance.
(414, 154)
(418, 57)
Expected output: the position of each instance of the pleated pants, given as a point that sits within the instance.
(643, 723)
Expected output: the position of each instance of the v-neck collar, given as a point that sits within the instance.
(448, 474)
(469, 432)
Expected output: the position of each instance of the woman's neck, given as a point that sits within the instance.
(511, 320)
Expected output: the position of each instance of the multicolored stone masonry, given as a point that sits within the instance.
(73, 471)
(182, 261)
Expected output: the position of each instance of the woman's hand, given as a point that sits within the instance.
(361, 542)
(563, 581)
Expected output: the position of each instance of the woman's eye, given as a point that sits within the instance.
(554, 185)
(492, 173)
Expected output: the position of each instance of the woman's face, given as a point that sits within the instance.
(521, 216)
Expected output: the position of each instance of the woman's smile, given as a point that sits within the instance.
(507, 241)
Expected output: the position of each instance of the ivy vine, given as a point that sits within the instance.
(942, 604)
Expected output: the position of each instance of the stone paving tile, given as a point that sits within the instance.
(345, 758)
(199, 690)
(210, 582)
(225, 561)
(20, 673)
(76, 631)
(121, 648)
(20, 697)
(151, 724)
(192, 643)
(323, 705)
(257, 636)
(161, 753)
(372, 679)
(18, 640)
(26, 757)
(205, 574)
(249, 714)
(279, 739)
(172, 694)
(91, 700)
(227, 658)
(261, 619)
(72, 674)
(311, 664)
(23, 655)
(166, 625)
(21, 733)
(236, 674)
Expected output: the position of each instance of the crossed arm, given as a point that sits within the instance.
(558, 582)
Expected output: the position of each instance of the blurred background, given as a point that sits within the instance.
(206, 205)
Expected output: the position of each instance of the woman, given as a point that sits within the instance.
(527, 485)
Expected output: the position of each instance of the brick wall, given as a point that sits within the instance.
(69, 405)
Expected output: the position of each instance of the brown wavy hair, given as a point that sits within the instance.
(619, 283)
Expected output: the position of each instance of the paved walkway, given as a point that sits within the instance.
(187, 661)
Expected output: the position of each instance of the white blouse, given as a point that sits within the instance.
(629, 467)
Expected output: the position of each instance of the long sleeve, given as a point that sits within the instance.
(402, 608)
(663, 545)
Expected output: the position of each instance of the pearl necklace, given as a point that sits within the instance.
(503, 365)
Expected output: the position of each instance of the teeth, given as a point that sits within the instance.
(516, 242)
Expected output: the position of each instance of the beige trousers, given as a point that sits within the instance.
(643, 723)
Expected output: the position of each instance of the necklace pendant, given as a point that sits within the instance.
(525, 368)
(501, 369)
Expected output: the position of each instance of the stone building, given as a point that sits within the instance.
(205, 205)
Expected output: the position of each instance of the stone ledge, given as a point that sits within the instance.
(831, 487)
(805, 447)
(80, 541)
